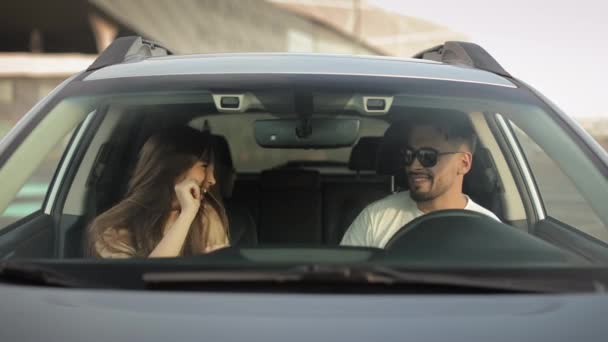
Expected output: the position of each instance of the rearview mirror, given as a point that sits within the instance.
(306, 133)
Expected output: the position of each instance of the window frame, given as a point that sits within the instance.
(62, 168)
(42, 210)
(518, 157)
(565, 224)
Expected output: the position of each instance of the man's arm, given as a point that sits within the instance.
(358, 232)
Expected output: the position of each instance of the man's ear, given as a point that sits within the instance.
(466, 162)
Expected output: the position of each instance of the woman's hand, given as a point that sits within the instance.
(188, 195)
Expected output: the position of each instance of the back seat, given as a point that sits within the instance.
(290, 207)
(345, 198)
(301, 206)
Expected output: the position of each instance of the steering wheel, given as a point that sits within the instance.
(443, 227)
(464, 237)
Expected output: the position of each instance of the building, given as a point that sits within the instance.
(391, 33)
(43, 42)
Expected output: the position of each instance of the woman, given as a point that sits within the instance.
(167, 211)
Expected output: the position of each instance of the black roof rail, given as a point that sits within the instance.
(126, 49)
(463, 53)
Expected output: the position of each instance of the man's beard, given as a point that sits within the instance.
(422, 196)
(418, 195)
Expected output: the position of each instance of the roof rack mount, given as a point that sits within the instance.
(463, 53)
(127, 49)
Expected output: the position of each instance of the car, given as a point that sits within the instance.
(305, 142)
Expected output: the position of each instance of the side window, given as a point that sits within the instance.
(561, 198)
(31, 196)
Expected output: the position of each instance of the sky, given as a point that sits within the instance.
(558, 47)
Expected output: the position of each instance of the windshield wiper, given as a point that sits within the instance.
(32, 274)
(370, 276)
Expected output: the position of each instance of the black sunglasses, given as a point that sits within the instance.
(427, 156)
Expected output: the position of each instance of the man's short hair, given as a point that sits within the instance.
(455, 126)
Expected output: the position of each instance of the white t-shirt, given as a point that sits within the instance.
(379, 221)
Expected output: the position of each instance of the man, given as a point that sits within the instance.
(438, 152)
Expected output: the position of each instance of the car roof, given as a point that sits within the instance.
(286, 63)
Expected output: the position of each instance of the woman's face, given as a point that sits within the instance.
(202, 173)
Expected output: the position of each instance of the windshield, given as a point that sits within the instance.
(343, 173)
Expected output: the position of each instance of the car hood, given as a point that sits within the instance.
(53, 314)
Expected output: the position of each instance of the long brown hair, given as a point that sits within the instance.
(147, 204)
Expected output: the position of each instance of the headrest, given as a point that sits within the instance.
(289, 179)
(482, 177)
(363, 154)
(389, 160)
(224, 169)
(221, 150)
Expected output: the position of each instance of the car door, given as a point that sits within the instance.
(566, 214)
(26, 226)
(33, 160)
